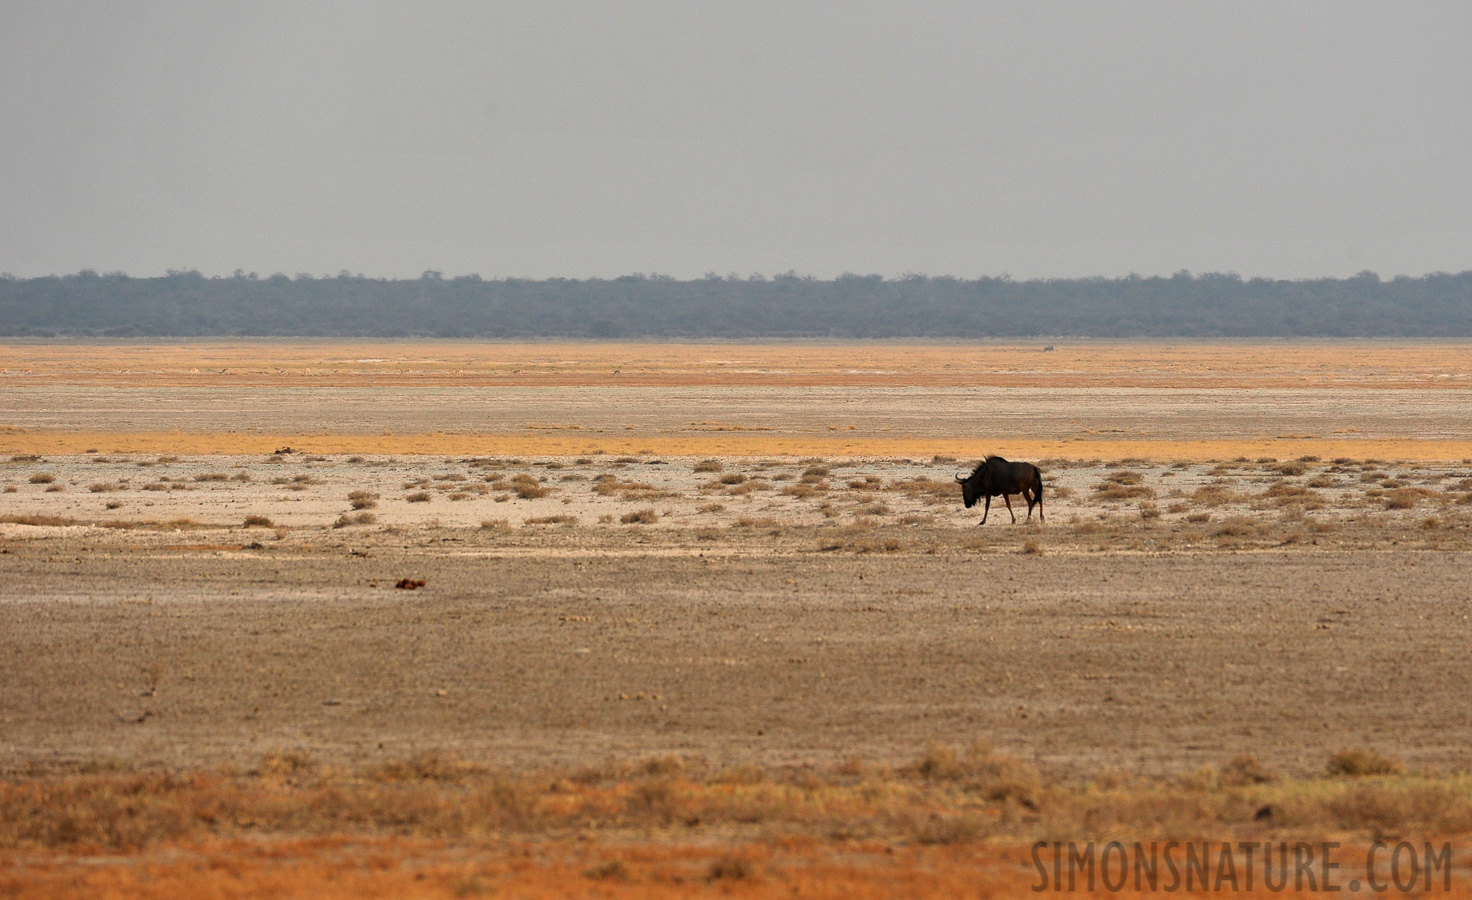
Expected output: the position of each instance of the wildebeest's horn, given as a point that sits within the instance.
(960, 479)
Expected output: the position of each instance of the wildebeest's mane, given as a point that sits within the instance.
(981, 465)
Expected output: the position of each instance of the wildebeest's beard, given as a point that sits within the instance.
(968, 493)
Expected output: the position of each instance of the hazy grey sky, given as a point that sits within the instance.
(578, 139)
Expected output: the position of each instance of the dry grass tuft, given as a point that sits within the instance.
(1407, 498)
(256, 521)
(29, 519)
(432, 765)
(1123, 485)
(709, 465)
(1244, 770)
(607, 485)
(980, 770)
(1284, 493)
(286, 764)
(731, 868)
(552, 520)
(639, 517)
(612, 870)
(527, 488)
(1236, 526)
(1215, 494)
(362, 518)
(418, 497)
(750, 486)
(1361, 763)
(42, 478)
(746, 773)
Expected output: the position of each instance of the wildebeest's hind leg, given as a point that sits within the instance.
(986, 511)
(1008, 500)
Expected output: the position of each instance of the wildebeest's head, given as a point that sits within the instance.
(970, 490)
(982, 480)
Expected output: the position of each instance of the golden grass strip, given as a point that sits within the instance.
(944, 797)
(948, 824)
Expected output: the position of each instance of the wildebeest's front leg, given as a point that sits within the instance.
(1008, 500)
(987, 510)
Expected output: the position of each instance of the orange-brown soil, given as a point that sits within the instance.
(329, 869)
(326, 869)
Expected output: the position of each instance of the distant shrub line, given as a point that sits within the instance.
(786, 306)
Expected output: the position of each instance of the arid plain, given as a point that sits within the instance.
(715, 613)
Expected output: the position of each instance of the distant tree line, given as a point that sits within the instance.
(186, 304)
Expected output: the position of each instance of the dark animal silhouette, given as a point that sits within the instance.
(995, 476)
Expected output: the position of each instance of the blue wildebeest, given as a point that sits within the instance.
(996, 476)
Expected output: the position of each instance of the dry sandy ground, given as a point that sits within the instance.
(774, 611)
(813, 589)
